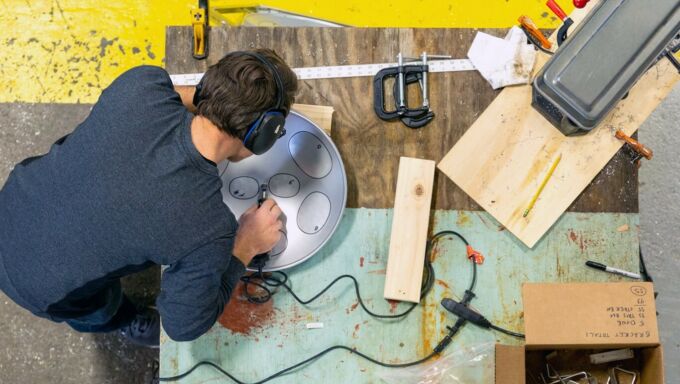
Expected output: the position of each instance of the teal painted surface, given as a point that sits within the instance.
(359, 247)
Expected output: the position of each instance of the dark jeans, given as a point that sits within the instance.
(117, 312)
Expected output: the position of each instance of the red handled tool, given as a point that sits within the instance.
(566, 20)
(580, 3)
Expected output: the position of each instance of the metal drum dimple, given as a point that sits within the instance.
(306, 178)
(243, 187)
(284, 185)
(313, 213)
(310, 155)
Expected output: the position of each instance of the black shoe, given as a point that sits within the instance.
(145, 329)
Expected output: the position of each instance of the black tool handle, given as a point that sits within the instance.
(562, 32)
(258, 262)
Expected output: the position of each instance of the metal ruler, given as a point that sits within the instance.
(340, 71)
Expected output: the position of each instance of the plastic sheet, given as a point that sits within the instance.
(473, 364)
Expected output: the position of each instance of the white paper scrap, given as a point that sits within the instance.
(503, 62)
(314, 325)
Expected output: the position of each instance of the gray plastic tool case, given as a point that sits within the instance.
(601, 60)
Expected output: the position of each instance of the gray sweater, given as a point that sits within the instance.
(126, 190)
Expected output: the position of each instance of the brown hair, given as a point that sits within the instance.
(240, 87)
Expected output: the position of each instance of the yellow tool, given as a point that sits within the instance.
(199, 20)
(543, 183)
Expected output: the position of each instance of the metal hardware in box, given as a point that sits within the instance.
(602, 59)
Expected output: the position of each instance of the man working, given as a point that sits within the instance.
(136, 184)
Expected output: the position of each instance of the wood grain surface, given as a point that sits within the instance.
(516, 146)
(320, 114)
(370, 147)
(410, 224)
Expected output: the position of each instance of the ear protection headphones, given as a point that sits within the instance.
(269, 126)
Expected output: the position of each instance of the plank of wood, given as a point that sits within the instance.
(320, 114)
(456, 98)
(502, 158)
(410, 223)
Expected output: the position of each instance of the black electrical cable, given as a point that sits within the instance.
(466, 300)
(265, 281)
(427, 285)
(292, 367)
(463, 311)
(507, 332)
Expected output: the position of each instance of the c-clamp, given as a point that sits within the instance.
(405, 75)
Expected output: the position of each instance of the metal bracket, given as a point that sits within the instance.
(614, 375)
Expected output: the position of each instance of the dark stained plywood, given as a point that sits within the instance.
(370, 147)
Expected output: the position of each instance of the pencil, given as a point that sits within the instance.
(543, 183)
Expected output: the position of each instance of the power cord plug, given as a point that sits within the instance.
(464, 313)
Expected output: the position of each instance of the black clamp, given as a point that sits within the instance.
(403, 76)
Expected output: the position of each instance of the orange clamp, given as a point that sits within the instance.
(639, 148)
(474, 255)
(636, 145)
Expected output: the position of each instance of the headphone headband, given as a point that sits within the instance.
(275, 73)
(269, 126)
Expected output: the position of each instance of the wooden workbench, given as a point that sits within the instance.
(254, 341)
(370, 147)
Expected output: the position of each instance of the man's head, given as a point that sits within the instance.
(240, 87)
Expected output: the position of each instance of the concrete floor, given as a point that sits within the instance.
(35, 350)
(660, 221)
(38, 351)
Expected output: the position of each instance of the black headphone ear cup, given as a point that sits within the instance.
(265, 134)
(252, 134)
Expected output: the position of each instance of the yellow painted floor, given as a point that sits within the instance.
(66, 51)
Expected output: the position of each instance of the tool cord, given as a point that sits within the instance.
(507, 332)
(267, 281)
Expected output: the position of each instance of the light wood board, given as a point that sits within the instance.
(503, 157)
(320, 114)
(410, 223)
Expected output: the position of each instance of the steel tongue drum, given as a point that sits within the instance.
(304, 174)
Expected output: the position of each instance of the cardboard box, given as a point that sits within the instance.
(565, 323)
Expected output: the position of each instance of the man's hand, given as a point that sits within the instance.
(258, 232)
